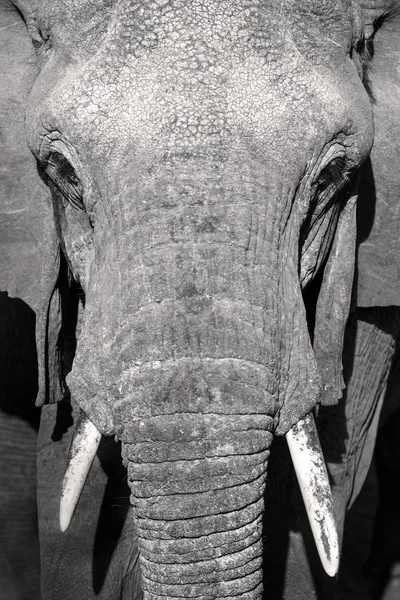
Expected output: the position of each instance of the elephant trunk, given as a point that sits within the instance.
(198, 502)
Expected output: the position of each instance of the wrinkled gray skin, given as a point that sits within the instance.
(371, 357)
(208, 145)
(373, 360)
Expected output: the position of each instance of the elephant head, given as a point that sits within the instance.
(202, 159)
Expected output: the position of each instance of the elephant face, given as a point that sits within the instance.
(200, 157)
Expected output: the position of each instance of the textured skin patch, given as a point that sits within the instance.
(197, 130)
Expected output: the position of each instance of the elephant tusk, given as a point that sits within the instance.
(309, 465)
(81, 454)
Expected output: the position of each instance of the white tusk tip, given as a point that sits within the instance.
(83, 449)
(312, 476)
(65, 521)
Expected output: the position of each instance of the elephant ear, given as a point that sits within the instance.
(333, 303)
(54, 292)
(378, 212)
(29, 248)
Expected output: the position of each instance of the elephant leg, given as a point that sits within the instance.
(386, 547)
(95, 554)
(372, 534)
(356, 578)
(385, 555)
(19, 545)
(348, 431)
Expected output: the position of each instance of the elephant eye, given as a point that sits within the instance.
(40, 37)
(62, 175)
(331, 177)
(328, 193)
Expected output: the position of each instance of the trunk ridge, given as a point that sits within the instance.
(199, 522)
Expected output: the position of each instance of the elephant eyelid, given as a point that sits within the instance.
(39, 35)
(64, 168)
(330, 193)
(331, 187)
(332, 174)
(333, 193)
(337, 199)
(62, 174)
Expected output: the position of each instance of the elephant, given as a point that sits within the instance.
(198, 166)
(366, 416)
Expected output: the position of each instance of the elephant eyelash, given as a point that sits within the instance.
(335, 194)
(334, 206)
(332, 174)
(62, 175)
(325, 218)
(331, 193)
(334, 197)
(332, 183)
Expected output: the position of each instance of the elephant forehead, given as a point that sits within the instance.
(158, 73)
(331, 17)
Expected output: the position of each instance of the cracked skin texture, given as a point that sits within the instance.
(188, 114)
(198, 132)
